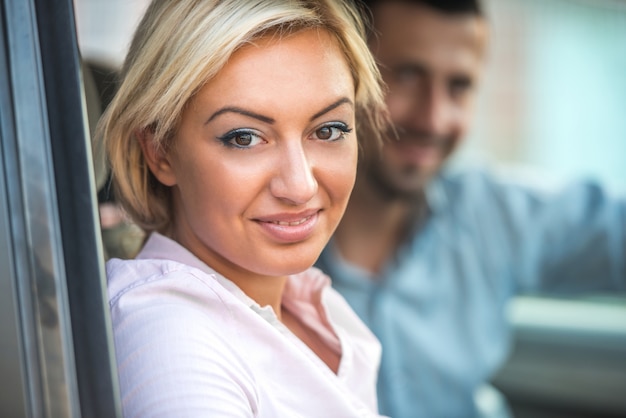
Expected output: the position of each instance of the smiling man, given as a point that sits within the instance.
(429, 259)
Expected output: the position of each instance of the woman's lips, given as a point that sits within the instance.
(296, 223)
(289, 228)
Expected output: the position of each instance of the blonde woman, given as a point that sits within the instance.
(233, 144)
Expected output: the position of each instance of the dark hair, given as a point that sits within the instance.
(445, 6)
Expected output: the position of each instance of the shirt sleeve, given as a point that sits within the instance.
(566, 239)
(174, 362)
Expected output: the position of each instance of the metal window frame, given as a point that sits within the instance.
(58, 357)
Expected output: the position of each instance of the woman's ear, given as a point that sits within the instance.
(156, 157)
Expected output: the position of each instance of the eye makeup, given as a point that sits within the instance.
(240, 138)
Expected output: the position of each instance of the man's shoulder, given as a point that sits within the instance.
(518, 190)
(489, 189)
(460, 184)
(498, 178)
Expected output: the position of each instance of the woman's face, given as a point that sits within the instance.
(265, 158)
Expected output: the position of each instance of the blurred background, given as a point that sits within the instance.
(554, 93)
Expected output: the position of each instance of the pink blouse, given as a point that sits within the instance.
(190, 343)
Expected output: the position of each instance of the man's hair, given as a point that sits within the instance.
(445, 6)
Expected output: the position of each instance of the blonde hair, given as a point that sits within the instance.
(179, 46)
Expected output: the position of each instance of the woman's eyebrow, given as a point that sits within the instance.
(267, 119)
(332, 106)
(240, 111)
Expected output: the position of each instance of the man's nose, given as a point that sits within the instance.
(432, 111)
(294, 181)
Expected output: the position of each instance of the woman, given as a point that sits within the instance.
(232, 143)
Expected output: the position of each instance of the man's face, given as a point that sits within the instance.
(431, 63)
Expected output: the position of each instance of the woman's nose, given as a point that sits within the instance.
(294, 181)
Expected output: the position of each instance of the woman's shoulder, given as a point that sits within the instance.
(176, 338)
(160, 282)
(168, 302)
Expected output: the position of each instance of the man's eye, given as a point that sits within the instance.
(459, 87)
(405, 76)
(240, 139)
(332, 132)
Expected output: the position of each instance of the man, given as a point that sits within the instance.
(429, 259)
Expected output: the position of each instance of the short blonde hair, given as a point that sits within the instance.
(179, 46)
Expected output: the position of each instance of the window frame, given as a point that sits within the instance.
(56, 328)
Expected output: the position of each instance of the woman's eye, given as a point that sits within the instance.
(243, 139)
(332, 132)
(240, 139)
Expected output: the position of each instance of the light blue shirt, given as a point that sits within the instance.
(439, 307)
